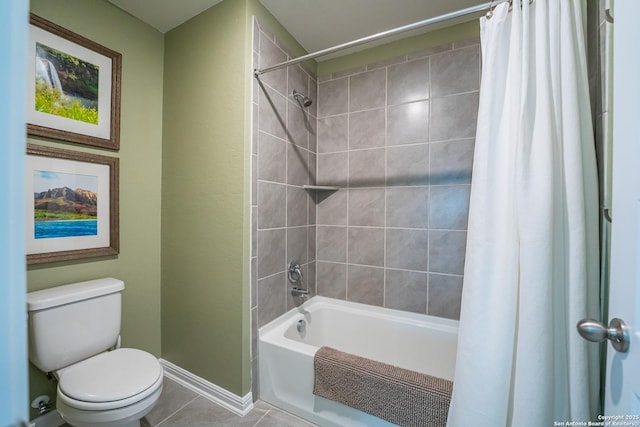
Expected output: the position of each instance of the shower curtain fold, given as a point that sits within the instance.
(531, 269)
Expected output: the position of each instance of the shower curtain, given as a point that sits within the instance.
(531, 269)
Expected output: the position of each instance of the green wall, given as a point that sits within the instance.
(138, 263)
(205, 283)
(407, 45)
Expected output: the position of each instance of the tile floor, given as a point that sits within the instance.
(178, 406)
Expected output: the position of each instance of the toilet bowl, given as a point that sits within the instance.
(74, 335)
(115, 388)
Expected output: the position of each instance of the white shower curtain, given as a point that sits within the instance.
(531, 268)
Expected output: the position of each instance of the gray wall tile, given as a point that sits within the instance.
(408, 82)
(366, 246)
(332, 208)
(451, 162)
(366, 168)
(445, 294)
(272, 157)
(364, 90)
(272, 205)
(298, 80)
(408, 123)
(365, 285)
(408, 165)
(367, 129)
(271, 298)
(447, 251)
(408, 207)
(297, 165)
(366, 207)
(270, 54)
(333, 134)
(297, 208)
(331, 243)
(297, 125)
(271, 251)
(272, 112)
(454, 117)
(449, 206)
(406, 290)
(407, 249)
(254, 231)
(333, 169)
(297, 245)
(455, 71)
(254, 281)
(312, 243)
(333, 96)
(313, 139)
(331, 280)
(254, 178)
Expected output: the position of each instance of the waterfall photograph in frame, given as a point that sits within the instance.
(73, 87)
(71, 205)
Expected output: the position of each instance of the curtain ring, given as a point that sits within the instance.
(489, 14)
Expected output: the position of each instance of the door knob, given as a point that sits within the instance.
(594, 331)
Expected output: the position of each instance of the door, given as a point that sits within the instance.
(622, 393)
(13, 354)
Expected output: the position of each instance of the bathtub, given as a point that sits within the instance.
(418, 342)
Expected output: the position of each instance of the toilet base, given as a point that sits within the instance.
(128, 416)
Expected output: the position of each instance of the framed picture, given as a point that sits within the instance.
(73, 87)
(71, 205)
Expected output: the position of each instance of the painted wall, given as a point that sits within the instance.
(206, 199)
(138, 263)
(205, 290)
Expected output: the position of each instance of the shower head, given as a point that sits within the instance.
(305, 100)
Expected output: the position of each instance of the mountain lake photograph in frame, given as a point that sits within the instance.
(66, 86)
(65, 205)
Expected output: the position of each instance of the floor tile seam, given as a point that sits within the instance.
(178, 410)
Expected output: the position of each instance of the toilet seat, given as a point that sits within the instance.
(110, 380)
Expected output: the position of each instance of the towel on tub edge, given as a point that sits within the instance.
(397, 395)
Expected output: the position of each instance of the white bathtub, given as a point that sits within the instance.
(418, 342)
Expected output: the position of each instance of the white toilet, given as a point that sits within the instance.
(74, 335)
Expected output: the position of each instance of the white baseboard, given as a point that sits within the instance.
(236, 404)
(50, 419)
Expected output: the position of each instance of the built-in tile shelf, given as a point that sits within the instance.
(321, 187)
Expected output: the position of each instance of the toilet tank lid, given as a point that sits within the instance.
(60, 295)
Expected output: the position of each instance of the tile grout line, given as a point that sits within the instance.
(178, 410)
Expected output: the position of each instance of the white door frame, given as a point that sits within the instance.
(623, 383)
(13, 333)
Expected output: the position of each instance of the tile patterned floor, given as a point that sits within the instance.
(180, 407)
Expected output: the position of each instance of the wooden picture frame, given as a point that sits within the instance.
(73, 87)
(71, 205)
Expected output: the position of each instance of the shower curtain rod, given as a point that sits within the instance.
(435, 20)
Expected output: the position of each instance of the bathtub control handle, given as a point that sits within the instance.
(295, 272)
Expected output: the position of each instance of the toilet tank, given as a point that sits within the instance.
(73, 322)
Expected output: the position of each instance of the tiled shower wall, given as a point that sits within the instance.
(283, 160)
(397, 137)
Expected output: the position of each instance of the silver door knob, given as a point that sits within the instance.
(617, 333)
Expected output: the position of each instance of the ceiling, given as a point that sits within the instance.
(316, 24)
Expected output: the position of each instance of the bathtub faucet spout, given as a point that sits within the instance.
(302, 293)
